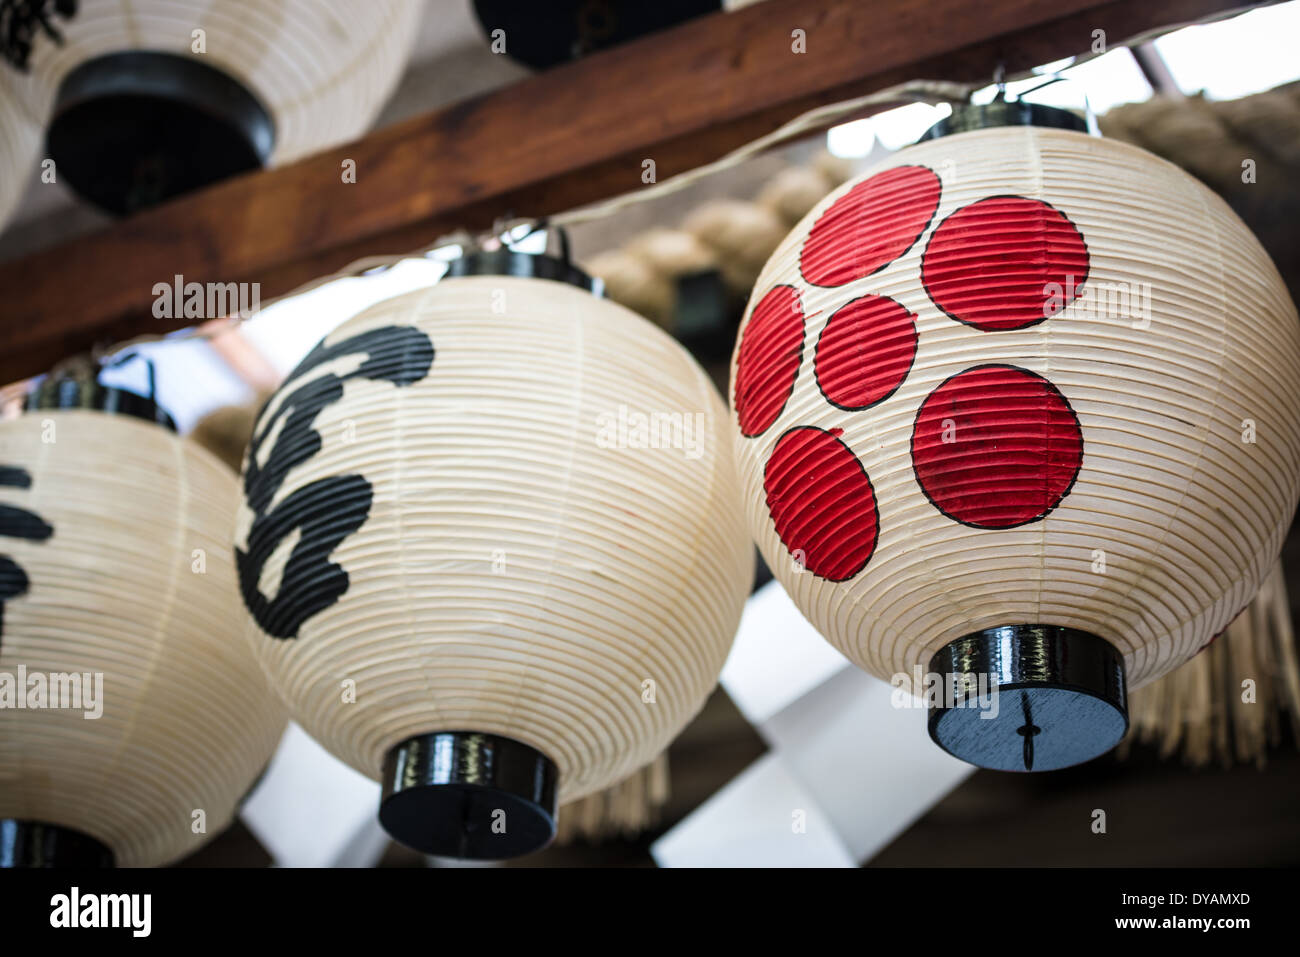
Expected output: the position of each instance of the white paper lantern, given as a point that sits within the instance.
(492, 535)
(1023, 405)
(131, 710)
(145, 99)
(19, 146)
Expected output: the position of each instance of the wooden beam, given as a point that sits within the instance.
(560, 139)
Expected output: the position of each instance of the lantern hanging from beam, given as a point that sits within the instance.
(145, 100)
(133, 718)
(492, 548)
(1019, 409)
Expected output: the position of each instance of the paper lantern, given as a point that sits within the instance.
(131, 710)
(1021, 407)
(20, 143)
(147, 99)
(548, 35)
(493, 548)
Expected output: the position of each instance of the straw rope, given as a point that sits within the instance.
(20, 144)
(1227, 703)
(912, 91)
(1210, 139)
(188, 717)
(732, 236)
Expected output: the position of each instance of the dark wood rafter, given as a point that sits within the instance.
(555, 141)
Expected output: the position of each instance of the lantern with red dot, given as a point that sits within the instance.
(1018, 419)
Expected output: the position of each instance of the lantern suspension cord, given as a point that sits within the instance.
(913, 91)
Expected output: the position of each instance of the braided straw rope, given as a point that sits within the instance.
(322, 68)
(1189, 516)
(515, 573)
(188, 718)
(1210, 139)
(732, 236)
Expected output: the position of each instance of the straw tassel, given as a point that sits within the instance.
(627, 809)
(1226, 704)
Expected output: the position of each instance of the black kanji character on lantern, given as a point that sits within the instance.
(327, 510)
(17, 523)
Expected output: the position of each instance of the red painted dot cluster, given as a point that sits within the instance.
(994, 446)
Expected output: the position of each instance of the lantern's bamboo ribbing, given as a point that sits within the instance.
(615, 565)
(136, 582)
(20, 142)
(626, 808)
(322, 69)
(1204, 708)
(1189, 515)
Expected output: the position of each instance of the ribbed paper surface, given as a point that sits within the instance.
(1019, 376)
(20, 142)
(509, 552)
(188, 720)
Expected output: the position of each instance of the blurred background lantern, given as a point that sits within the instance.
(20, 142)
(1020, 403)
(493, 549)
(135, 717)
(143, 101)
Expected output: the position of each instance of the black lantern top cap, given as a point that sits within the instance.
(966, 117)
(505, 260)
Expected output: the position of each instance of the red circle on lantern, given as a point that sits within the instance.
(865, 352)
(771, 349)
(870, 226)
(1004, 262)
(996, 446)
(822, 502)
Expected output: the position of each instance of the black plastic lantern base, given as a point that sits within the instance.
(469, 795)
(33, 844)
(133, 129)
(1029, 698)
